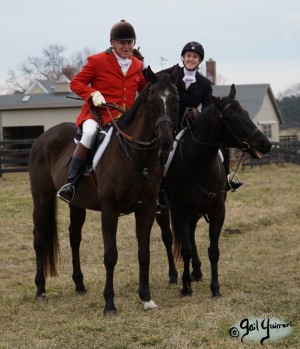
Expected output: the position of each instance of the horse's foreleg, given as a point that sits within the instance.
(163, 220)
(77, 218)
(215, 227)
(144, 222)
(109, 231)
(196, 263)
(186, 275)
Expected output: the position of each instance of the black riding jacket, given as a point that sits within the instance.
(197, 93)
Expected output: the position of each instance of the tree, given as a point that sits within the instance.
(49, 66)
(78, 59)
(293, 90)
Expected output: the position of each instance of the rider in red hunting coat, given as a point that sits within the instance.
(104, 73)
(114, 75)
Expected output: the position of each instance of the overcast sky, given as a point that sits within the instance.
(253, 41)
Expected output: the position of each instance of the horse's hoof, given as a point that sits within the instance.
(173, 280)
(81, 292)
(186, 292)
(216, 295)
(41, 297)
(112, 312)
(150, 305)
(196, 277)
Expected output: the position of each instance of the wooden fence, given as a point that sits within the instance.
(14, 155)
(281, 152)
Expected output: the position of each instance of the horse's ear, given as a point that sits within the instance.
(175, 74)
(232, 91)
(150, 75)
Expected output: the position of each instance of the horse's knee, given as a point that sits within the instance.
(213, 254)
(186, 253)
(144, 258)
(110, 258)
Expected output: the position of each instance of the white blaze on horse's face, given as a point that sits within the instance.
(164, 98)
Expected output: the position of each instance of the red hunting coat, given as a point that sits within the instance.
(103, 73)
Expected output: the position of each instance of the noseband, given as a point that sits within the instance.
(244, 145)
(164, 118)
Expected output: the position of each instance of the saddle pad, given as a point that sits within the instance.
(171, 155)
(101, 149)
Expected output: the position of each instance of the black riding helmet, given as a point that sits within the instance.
(122, 31)
(193, 46)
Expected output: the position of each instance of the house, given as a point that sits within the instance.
(47, 103)
(43, 105)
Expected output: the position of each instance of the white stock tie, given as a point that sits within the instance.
(189, 77)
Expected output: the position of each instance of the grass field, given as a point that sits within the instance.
(259, 276)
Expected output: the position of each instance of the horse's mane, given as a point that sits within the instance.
(208, 110)
(163, 80)
(127, 117)
(202, 116)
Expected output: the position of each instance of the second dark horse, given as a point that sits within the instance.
(196, 184)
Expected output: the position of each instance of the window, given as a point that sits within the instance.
(26, 98)
(267, 130)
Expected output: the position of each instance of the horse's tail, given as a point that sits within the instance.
(176, 242)
(51, 247)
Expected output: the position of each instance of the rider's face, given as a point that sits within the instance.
(191, 60)
(123, 48)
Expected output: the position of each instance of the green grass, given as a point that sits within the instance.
(258, 273)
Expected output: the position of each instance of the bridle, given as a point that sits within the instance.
(243, 145)
(163, 118)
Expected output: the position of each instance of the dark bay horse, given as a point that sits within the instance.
(126, 180)
(196, 183)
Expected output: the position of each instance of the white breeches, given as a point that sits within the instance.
(89, 131)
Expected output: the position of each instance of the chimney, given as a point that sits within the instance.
(211, 71)
(68, 71)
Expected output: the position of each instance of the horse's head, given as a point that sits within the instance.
(163, 105)
(237, 129)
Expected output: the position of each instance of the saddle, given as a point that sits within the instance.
(100, 144)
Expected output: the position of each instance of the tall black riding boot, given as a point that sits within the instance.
(67, 192)
(77, 168)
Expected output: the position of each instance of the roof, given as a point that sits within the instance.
(50, 98)
(44, 85)
(39, 100)
(251, 97)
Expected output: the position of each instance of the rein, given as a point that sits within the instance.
(125, 135)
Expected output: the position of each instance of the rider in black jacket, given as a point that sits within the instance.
(194, 95)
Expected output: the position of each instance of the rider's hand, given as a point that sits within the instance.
(97, 99)
(136, 53)
(191, 113)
